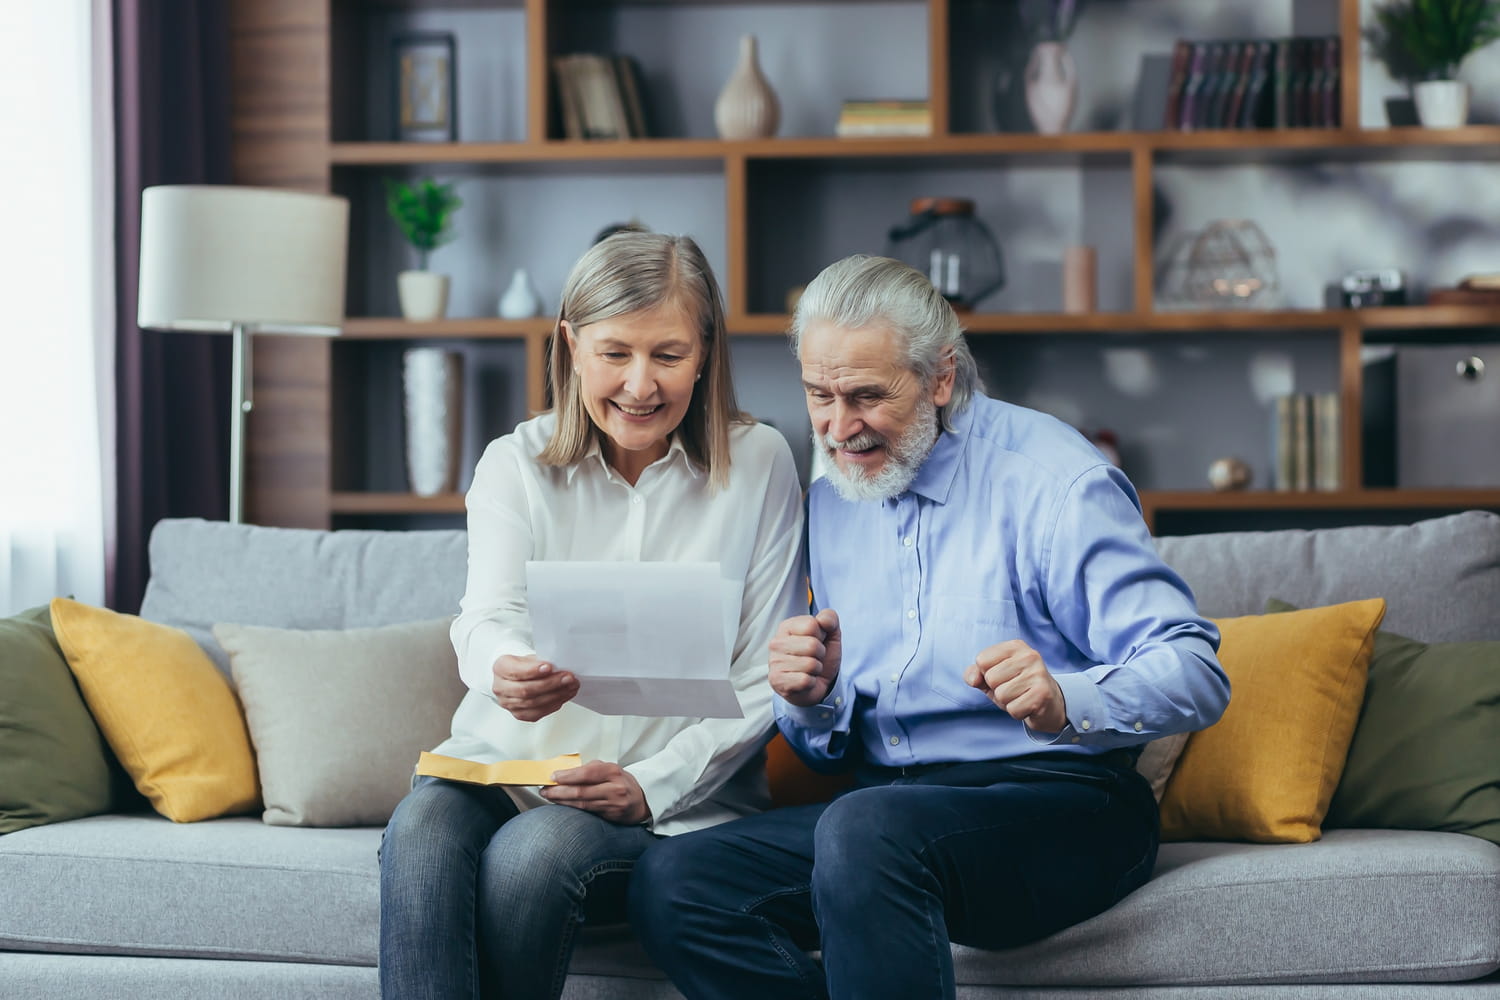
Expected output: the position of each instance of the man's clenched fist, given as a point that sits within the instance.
(805, 656)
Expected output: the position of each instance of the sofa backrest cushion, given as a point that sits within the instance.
(207, 572)
(1440, 577)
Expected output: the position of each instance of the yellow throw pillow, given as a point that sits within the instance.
(1266, 771)
(164, 708)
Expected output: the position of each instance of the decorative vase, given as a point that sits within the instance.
(520, 300)
(423, 294)
(747, 107)
(432, 382)
(1080, 279)
(1442, 103)
(1051, 87)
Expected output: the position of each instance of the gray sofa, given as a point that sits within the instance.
(137, 906)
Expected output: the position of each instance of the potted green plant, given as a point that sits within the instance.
(1423, 42)
(423, 211)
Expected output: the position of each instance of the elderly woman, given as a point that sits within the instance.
(644, 458)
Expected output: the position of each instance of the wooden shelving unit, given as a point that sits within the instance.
(288, 92)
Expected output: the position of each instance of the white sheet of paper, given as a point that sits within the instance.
(643, 638)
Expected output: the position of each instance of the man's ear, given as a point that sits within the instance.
(942, 382)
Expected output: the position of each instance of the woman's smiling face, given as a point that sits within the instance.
(636, 374)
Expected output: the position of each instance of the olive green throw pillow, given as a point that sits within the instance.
(54, 765)
(1426, 751)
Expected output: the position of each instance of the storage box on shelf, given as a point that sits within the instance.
(770, 212)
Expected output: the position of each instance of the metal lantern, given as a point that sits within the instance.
(946, 241)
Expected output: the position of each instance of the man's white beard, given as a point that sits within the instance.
(903, 459)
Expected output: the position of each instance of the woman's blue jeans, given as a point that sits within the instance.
(991, 854)
(478, 899)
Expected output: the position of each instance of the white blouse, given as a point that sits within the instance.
(694, 773)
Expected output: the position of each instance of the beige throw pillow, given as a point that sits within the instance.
(1157, 760)
(339, 718)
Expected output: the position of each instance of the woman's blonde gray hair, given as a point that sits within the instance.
(632, 272)
(862, 290)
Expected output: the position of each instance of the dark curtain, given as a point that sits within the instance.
(172, 106)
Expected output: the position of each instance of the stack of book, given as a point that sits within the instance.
(884, 117)
(1254, 83)
(1475, 290)
(1305, 445)
(599, 96)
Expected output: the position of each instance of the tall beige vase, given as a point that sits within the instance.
(747, 107)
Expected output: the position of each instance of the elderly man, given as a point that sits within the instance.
(994, 636)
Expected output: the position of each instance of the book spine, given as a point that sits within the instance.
(1282, 443)
(1327, 443)
(1302, 450)
(1182, 54)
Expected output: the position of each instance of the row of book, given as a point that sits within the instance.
(599, 96)
(1306, 451)
(884, 117)
(1254, 83)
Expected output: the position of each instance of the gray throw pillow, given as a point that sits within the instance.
(339, 718)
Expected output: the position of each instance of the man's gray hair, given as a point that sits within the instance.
(862, 291)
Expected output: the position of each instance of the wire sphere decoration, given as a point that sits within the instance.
(1229, 264)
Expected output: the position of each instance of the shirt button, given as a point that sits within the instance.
(895, 678)
(1085, 724)
(911, 613)
(838, 702)
(635, 499)
(895, 741)
(1138, 726)
(906, 541)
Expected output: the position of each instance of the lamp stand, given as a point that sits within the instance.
(242, 407)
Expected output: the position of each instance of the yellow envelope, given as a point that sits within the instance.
(502, 772)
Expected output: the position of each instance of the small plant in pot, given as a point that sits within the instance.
(423, 211)
(1423, 42)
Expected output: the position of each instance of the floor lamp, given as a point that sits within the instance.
(242, 260)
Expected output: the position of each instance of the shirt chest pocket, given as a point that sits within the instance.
(963, 626)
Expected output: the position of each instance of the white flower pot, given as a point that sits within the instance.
(423, 294)
(433, 396)
(747, 107)
(1442, 103)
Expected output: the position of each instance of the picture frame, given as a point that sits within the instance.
(424, 97)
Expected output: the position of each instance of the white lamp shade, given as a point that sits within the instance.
(215, 256)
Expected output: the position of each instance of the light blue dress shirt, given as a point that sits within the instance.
(1014, 528)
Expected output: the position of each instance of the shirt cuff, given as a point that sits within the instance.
(832, 713)
(1086, 713)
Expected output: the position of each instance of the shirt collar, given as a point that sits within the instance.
(595, 455)
(935, 478)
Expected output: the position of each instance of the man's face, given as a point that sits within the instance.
(870, 413)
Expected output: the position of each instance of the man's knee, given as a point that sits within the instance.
(668, 878)
(859, 834)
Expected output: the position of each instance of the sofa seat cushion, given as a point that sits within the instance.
(1226, 913)
(226, 888)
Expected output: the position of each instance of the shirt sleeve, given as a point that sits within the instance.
(493, 620)
(696, 762)
(1114, 599)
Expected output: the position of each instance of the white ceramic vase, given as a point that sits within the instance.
(520, 300)
(747, 107)
(1051, 87)
(1442, 103)
(432, 382)
(423, 294)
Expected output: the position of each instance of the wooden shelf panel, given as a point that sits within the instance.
(1240, 320)
(1364, 499)
(1375, 144)
(476, 328)
(348, 502)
